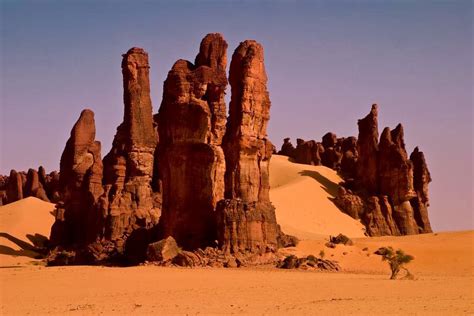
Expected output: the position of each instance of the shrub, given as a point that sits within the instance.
(396, 259)
(322, 254)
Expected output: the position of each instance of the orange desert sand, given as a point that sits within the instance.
(443, 267)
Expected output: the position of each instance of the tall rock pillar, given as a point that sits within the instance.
(246, 218)
(191, 164)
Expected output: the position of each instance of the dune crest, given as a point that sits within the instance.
(302, 197)
(23, 225)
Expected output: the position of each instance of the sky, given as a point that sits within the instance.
(327, 62)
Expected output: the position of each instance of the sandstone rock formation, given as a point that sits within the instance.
(14, 187)
(367, 147)
(382, 187)
(191, 163)
(421, 179)
(246, 219)
(385, 197)
(127, 206)
(287, 149)
(81, 185)
(21, 185)
(33, 186)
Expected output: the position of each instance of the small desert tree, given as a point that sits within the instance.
(396, 259)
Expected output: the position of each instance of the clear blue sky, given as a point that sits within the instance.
(327, 62)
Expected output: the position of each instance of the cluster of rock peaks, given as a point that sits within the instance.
(189, 171)
(383, 187)
(35, 183)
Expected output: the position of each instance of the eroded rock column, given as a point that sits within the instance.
(191, 164)
(246, 218)
(127, 203)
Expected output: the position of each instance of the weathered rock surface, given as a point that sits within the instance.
(382, 187)
(308, 263)
(163, 250)
(33, 186)
(246, 219)
(385, 197)
(367, 147)
(191, 163)
(287, 148)
(14, 187)
(421, 179)
(81, 185)
(127, 207)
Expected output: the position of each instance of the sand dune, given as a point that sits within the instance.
(22, 224)
(302, 197)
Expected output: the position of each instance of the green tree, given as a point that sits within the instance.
(396, 259)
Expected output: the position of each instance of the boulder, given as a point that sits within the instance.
(163, 250)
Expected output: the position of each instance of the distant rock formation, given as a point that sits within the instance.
(382, 187)
(384, 195)
(21, 185)
(246, 218)
(191, 163)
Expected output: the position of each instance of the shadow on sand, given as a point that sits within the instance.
(35, 249)
(327, 185)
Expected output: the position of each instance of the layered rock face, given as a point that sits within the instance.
(246, 219)
(421, 179)
(382, 187)
(191, 163)
(81, 185)
(384, 196)
(367, 147)
(127, 204)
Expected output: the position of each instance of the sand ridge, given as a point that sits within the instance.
(302, 197)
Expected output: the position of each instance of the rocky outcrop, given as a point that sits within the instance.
(390, 191)
(127, 207)
(14, 187)
(33, 186)
(81, 185)
(246, 219)
(191, 163)
(367, 147)
(331, 157)
(308, 152)
(287, 149)
(421, 179)
(349, 158)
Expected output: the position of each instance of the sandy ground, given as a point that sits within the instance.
(443, 268)
(302, 197)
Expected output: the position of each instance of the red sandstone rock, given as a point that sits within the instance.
(246, 219)
(14, 188)
(81, 185)
(33, 186)
(191, 164)
(287, 149)
(367, 147)
(127, 203)
(421, 179)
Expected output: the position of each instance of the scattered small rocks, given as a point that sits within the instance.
(308, 263)
(341, 239)
(208, 257)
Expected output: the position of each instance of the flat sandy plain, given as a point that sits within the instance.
(443, 267)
